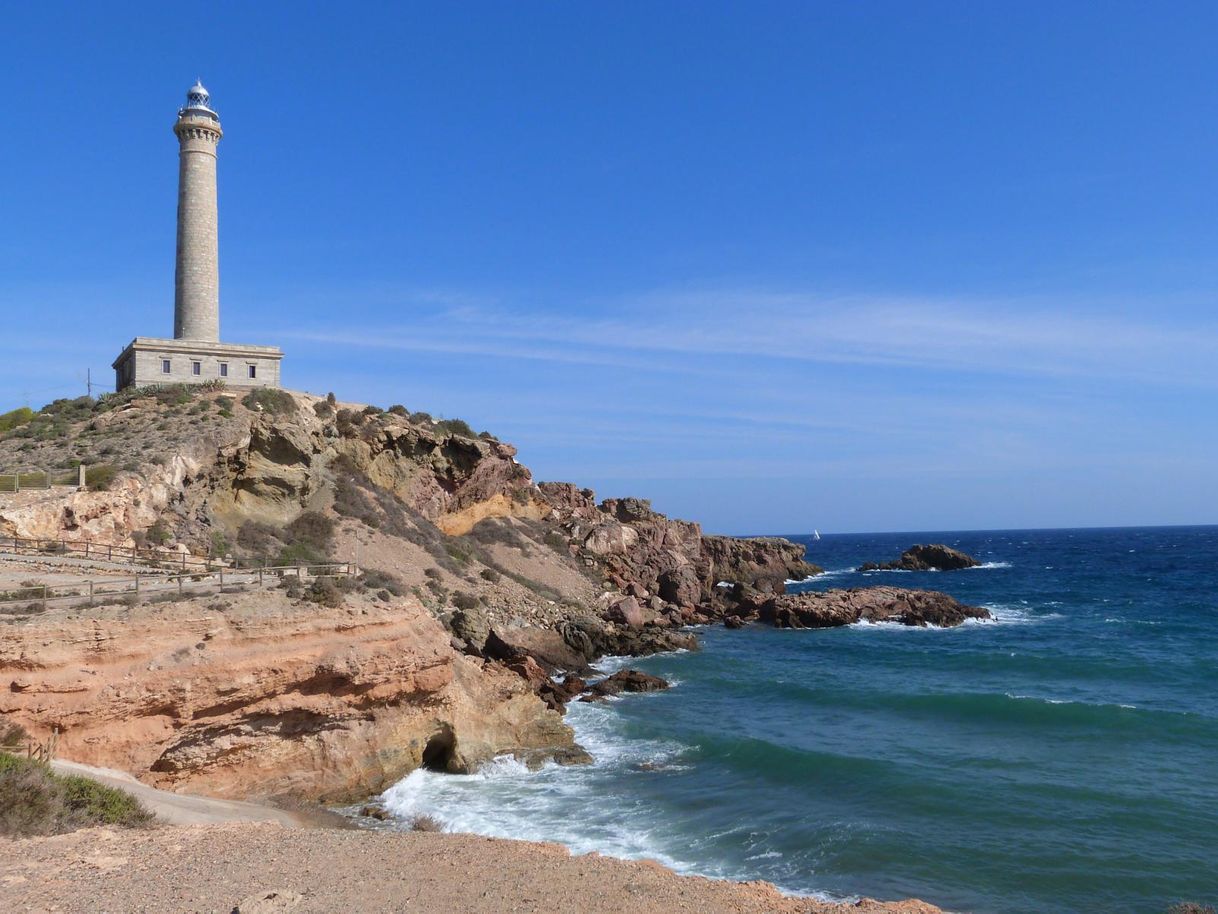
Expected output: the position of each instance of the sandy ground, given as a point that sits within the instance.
(267, 868)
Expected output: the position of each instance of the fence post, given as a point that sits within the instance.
(221, 579)
(259, 577)
(86, 548)
(90, 593)
(179, 585)
(80, 476)
(16, 483)
(44, 597)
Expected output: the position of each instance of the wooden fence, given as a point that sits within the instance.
(104, 552)
(32, 749)
(114, 590)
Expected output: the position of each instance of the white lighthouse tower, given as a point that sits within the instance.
(195, 354)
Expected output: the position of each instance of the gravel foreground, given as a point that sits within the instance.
(266, 868)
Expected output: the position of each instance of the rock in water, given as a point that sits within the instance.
(935, 557)
(625, 681)
(868, 604)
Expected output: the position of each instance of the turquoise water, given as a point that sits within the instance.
(1061, 759)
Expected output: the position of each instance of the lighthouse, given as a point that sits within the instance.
(196, 282)
(196, 355)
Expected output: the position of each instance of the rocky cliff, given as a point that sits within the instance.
(478, 585)
(255, 694)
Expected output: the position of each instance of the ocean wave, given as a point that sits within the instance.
(1070, 701)
(556, 803)
(1007, 614)
(1000, 614)
(827, 573)
(984, 566)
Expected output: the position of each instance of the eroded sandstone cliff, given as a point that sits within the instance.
(255, 694)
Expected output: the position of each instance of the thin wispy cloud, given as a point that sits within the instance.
(990, 338)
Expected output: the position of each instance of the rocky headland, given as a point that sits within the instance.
(482, 601)
(480, 593)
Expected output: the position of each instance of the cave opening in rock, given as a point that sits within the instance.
(439, 752)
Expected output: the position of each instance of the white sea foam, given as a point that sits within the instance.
(830, 573)
(505, 799)
(984, 566)
(1006, 614)
(1069, 701)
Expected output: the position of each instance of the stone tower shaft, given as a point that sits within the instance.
(196, 303)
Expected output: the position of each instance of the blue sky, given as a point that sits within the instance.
(776, 266)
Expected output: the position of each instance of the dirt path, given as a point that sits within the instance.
(183, 809)
(267, 868)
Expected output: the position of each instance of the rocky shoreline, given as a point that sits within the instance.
(483, 602)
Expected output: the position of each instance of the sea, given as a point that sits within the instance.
(1061, 758)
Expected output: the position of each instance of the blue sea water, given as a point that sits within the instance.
(1063, 758)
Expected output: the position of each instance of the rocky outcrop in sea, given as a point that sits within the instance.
(935, 557)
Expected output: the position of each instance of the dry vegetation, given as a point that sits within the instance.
(36, 801)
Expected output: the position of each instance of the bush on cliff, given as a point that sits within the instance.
(99, 476)
(270, 400)
(36, 801)
(457, 427)
(306, 540)
(15, 418)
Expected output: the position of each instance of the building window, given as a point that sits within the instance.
(196, 368)
(224, 369)
(253, 371)
(164, 366)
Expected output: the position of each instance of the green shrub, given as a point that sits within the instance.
(70, 409)
(219, 543)
(312, 529)
(175, 394)
(491, 575)
(15, 418)
(323, 409)
(347, 421)
(306, 540)
(463, 600)
(328, 591)
(375, 579)
(270, 400)
(158, 534)
(459, 549)
(12, 735)
(399, 410)
(100, 476)
(457, 427)
(36, 801)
